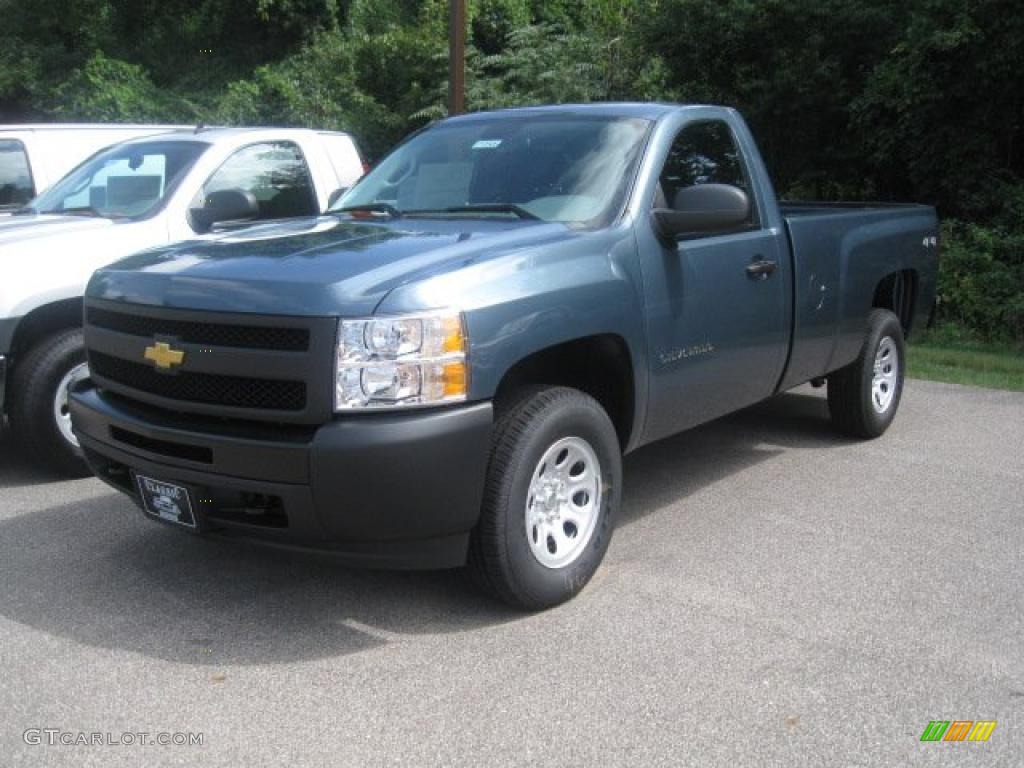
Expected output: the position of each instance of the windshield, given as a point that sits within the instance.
(558, 168)
(124, 181)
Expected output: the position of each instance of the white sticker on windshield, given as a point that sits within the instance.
(487, 144)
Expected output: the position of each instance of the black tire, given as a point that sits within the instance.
(851, 401)
(500, 558)
(31, 398)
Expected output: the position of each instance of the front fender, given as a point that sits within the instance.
(526, 301)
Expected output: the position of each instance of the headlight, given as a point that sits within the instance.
(389, 362)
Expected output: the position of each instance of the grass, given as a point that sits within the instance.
(939, 357)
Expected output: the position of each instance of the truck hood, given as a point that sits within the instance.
(327, 266)
(49, 258)
(21, 229)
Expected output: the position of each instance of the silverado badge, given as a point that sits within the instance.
(163, 355)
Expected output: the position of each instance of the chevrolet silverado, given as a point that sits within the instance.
(447, 368)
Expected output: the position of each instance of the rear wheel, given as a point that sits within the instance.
(552, 491)
(863, 397)
(38, 406)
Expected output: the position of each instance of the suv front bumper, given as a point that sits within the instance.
(399, 490)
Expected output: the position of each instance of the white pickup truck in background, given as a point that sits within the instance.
(136, 195)
(34, 156)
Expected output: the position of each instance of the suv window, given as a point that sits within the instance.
(16, 187)
(703, 153)
(274, 172)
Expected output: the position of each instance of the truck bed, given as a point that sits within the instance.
(840, 251)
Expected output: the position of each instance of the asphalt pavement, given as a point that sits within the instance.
(775, 595)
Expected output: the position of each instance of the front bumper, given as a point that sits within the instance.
(389, 490)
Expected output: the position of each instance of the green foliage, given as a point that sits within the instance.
(40, 44)
(540, 64)
(110, 90)
(189, 49)
(371, 17)
(908, 100)
(971, 363)
(792, 67)
(981, 280)
(942, 112)
(370, 84)
(917, 100)
(493, 21)
(592, 55)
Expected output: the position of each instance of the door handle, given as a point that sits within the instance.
(760, 268)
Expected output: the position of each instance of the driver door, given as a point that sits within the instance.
(718, 332)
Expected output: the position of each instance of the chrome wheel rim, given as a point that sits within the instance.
(61, 412)
(563, 502)
(885, 378)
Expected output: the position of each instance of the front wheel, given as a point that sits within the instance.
(552, 492)
(38, 406)
(863, 396)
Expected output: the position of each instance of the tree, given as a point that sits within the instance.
(942, 113)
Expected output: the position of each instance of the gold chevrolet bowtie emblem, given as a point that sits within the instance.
(163, 356)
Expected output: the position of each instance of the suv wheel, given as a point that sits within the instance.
(552, 491)
(38, 406)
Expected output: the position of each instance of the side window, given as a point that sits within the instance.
(16, 187)
(275, 173)
(703, 153)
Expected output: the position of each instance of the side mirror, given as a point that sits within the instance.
(335, 196)
(225, 205)
(703, 209)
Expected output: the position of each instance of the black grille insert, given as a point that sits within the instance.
(206, 388)
(195, 453)
(212, 334)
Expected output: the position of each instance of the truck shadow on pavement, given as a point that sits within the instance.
(97, 573)
(16, 469)
(672, 469)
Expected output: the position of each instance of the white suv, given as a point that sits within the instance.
(135, 195)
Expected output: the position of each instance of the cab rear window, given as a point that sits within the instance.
(16, 187)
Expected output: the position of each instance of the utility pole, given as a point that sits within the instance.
(457, 58)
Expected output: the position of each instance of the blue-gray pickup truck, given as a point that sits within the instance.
(447, 368)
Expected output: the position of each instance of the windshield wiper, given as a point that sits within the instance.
(81, 210)
(385, 208)
(518, 210)
(87, 210)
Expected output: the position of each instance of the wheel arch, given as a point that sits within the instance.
(599, 364)
(43, 321)
(898, 292)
